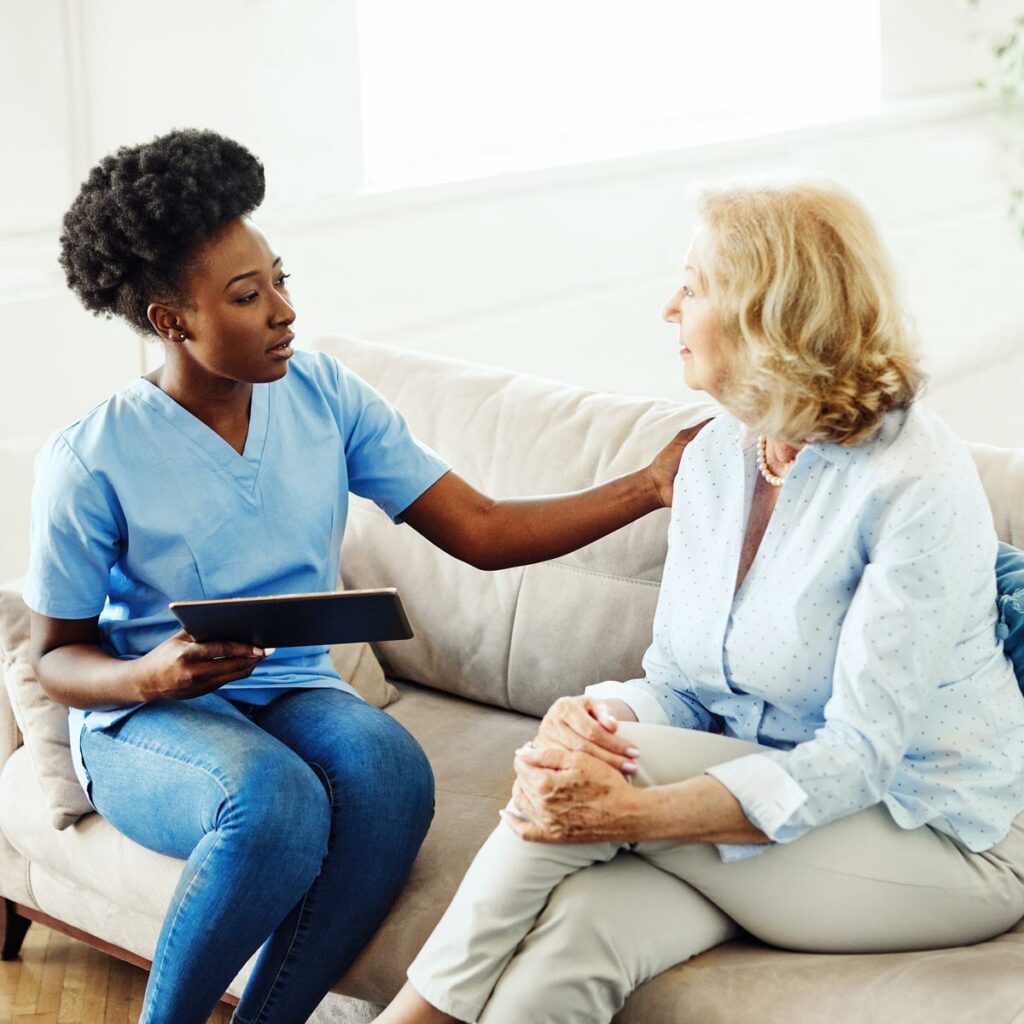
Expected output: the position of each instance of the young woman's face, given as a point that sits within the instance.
(699, 345)
(239, 323)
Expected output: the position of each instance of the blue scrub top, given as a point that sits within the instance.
(139, 503)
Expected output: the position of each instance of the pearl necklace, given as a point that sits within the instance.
(762, 463)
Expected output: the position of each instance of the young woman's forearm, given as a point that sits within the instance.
(84, 676)
(493, 534)
(518, 531)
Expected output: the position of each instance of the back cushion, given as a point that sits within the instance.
(521, 637)
(1002, 475)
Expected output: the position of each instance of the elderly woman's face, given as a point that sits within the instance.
(690, 307)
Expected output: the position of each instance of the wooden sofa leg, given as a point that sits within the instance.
(12, 930)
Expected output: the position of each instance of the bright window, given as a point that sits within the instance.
(453, 89)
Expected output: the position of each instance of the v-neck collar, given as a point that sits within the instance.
(243, 468)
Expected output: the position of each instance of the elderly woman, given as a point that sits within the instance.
(832, 754)
(297, 807)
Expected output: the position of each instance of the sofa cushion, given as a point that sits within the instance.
(495, 636)
(44, 724)
(744, 981)
(358, 665)
(10, 734)
(1002, 475)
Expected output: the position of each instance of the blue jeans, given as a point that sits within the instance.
(298, 821)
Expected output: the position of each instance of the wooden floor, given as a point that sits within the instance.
(58, 980)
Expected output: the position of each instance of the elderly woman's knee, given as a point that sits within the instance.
(570, 967)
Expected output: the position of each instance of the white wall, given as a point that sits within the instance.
(565, 273)
(561, 273)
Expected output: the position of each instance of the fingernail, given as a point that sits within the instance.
(268, 651)
(630, 767)
(632, 752)
(257, 652)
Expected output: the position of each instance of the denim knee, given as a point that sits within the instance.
(418, 773)
(281, 809)
(411, 767)
(384, 767)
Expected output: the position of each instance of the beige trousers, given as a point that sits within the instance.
(563, 933)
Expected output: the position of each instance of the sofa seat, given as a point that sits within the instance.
(471, 748)
(746, 981)
(90, 852)
(89, 875)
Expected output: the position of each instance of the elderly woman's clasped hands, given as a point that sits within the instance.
(571, 784)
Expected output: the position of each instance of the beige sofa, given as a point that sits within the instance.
(492, 650)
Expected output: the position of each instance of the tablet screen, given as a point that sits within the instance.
(298, 620)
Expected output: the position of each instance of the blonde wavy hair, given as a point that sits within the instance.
(819, 348)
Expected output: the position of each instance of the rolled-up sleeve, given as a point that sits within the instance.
(634, 692)
(896, 642)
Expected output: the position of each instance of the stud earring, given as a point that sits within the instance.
(182, 335)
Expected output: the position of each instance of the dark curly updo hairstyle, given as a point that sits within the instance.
(144, 212)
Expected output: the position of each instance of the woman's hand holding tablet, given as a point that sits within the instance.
(181, 667)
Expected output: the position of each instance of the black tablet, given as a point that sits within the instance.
(298, 620)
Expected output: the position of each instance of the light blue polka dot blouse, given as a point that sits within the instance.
(861, 648)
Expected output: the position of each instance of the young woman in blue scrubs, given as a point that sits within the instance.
(298, 807)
